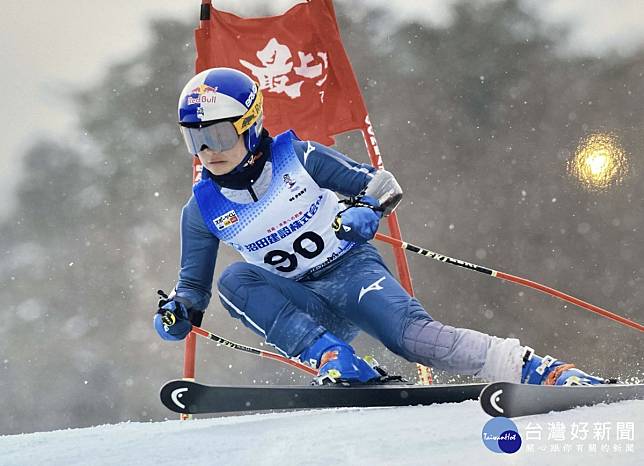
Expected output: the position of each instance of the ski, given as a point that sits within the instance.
(188, 397)
(514, 400)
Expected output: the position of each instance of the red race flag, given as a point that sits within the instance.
(299, 62)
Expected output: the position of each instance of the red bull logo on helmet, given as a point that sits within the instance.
(202, 94)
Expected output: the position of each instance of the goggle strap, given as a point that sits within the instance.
(252, 114)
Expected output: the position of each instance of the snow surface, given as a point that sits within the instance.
(436, 435)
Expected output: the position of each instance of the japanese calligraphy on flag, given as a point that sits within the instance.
(299, 62)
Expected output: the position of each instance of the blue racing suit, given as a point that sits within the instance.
(351, 290)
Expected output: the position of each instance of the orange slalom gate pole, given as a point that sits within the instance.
(369, 135)
(190, 351)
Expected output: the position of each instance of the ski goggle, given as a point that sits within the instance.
(220, 136)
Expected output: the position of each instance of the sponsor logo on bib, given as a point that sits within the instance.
(226, 220)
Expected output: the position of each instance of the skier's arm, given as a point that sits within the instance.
(198, 257)
(335, 171)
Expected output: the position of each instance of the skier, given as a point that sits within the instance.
(311, 280)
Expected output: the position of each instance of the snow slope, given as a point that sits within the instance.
(436, 435)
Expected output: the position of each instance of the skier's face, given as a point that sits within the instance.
(220, 163)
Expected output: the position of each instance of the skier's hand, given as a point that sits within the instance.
(358, 223)
(172, 321)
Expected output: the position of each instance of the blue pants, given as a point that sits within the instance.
(357, 292)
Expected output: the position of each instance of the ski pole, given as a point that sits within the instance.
(257, 352)
(511, 278)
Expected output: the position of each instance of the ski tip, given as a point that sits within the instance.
(174, 396)
(492, 400)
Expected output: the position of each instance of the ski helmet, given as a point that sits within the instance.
(216, 107)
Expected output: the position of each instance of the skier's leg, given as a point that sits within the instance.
(466, 351)
(373, 299)
(411, 332)
(376, 302)
(290, 316)
(491, 358)
(272, 306)
(504, 359)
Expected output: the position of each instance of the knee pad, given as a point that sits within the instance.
(434, 344)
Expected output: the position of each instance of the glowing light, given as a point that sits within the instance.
(599, 162)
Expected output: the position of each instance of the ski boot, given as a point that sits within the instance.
(337, 362)
(550, 371)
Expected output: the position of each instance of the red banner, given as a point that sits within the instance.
(299, 62)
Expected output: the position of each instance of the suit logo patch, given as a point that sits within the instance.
(226, 220)
(375, 286)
